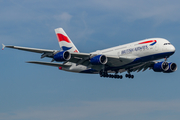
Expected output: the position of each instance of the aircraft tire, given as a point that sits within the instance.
(132, 76)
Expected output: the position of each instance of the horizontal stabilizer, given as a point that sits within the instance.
(49, 64)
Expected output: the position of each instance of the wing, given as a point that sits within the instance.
(29, 49)
(46, 52)
(78, 58)
(49, 64)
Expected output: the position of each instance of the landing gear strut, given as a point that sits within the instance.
(129, 75)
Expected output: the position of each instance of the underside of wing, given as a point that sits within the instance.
(142, 67)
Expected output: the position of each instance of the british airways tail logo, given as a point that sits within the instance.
(61, 37)
(153, 42)
(64, 48)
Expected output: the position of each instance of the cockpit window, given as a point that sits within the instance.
(167, 43)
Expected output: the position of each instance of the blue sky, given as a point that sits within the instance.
(34, 92)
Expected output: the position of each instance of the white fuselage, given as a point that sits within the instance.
(147, 50)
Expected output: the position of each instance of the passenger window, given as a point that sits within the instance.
(167, 43)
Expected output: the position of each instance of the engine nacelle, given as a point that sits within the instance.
(99, 60)
(172, 68)
(161, 67)
(62, 56)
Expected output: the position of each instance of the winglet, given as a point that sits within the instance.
(3, 46)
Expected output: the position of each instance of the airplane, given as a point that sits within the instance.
(137, 56)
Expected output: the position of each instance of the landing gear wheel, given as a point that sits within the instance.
(116, 76)
(132, 76)
(105, 74)
(129, 76)
(121, 76)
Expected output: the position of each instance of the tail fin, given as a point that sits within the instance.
(65, 42)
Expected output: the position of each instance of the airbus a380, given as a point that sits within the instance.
(131, 57)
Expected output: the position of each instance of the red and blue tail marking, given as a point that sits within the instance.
(65, 42)
(65, 48)
(61, 37)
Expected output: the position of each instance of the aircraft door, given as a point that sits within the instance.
(156, 48)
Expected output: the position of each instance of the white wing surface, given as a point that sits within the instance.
(49, 64)
(29, 49)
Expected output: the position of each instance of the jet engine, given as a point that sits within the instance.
(172, 68)
(62, 56)
(99, 60)
(161, 67)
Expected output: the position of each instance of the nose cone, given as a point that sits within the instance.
(171, 49)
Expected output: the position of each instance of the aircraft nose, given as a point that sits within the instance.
(172, 49)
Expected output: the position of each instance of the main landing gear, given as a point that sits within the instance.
(129, 76)
(105, 74)
(111, 76)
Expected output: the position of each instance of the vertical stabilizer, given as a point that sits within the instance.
(65, 42)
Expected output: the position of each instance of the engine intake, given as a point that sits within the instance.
(161, 67)
(172, 68)
(99, 60)
(62, 56)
